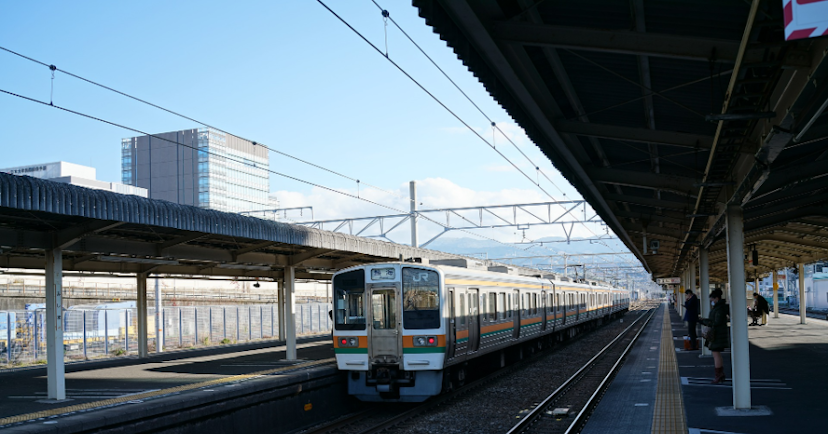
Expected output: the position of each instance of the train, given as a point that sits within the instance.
(408, 331)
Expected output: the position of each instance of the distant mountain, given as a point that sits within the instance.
(551, 246)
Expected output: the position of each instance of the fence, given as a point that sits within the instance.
(97, 333)
(109, 291)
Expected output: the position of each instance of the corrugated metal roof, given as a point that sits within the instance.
(32, 194)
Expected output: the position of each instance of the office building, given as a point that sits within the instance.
(75, 174)
(200, 167)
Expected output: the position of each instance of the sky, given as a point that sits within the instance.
(287, 74)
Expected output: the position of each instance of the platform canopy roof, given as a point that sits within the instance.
(101, 231)
(663, 112)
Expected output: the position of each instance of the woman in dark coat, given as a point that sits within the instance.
(720, 339)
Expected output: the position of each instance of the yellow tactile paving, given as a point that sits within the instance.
(668, 414)
(182, 388)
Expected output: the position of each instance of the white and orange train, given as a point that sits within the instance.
(407, 331)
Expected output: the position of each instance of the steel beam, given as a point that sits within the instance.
(621, 41)
(648, 202)
(674, 184)
(638, 135)
(290, 313)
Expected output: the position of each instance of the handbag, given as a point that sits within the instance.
(707, 333)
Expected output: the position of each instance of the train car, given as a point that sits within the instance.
(407, 331)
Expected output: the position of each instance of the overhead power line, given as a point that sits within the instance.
(135, 130)
(54, 68)
(434, 97)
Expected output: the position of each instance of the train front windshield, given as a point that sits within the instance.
(421, 299)
(349, 306)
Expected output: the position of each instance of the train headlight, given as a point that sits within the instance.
(425, 341)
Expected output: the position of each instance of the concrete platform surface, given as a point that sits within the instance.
(789, 381)
(91, 384)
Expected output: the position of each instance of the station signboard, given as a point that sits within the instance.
(668, 280)
(805, 18)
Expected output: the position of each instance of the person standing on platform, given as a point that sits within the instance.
(761, 307)
(691, 315)
(717, 338)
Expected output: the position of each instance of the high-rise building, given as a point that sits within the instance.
(75, 174)
(201, 167)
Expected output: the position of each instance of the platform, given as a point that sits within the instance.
(100, 392)
(789, 382)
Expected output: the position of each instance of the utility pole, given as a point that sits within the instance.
(413, 191)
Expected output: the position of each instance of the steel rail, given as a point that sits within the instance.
(537, 412)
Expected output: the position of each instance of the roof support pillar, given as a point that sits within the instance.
(775, 293)
(159, 319)
(280, 297)
(142, 314)
(740, 357)
(55, 371)
(802, 310)
(704, 292)
(290, 321)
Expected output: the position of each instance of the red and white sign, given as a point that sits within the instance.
(805, 18)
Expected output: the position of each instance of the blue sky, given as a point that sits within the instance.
(287, 74)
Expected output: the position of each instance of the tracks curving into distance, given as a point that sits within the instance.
(582, 391)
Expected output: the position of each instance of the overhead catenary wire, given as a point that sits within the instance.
(386, 15)
(434, 97)
(243, 162)
(53, 68)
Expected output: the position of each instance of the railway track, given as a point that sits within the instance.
(567, 408)
(814, 315)
(396, 417)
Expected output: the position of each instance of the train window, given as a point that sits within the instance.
(384, 308)
(483, 307)
(421, 298)
(349, 289)
(492, 306)
(534, 304)
(461, 314)
(501, 306)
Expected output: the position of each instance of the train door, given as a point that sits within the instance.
(452, 325)
(543, 309)
(516, 310)
(563, 306)
(385, 320)
(474, 319)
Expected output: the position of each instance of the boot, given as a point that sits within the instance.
(720, 376)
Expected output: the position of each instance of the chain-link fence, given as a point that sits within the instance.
(96, 333)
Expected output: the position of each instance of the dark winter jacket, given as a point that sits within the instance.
(717, 321)
(691, 309)
(761, 305)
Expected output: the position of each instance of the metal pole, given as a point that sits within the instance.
(106, 331)
(302, 319)
(775, 294)
(159, 321)
(195, 318)
(224, 322)
(84, 336)
(126, 330)
(802, 307)
(180, 329)
(704, 288)
(238, 336)
(261, 322)
(143, 329)
(740, 356)
(8, 337)
(55, 370)
(35, 337)
(210, 324)
(271, 322)
(413, 190)
(249, 323)
(290, 321)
